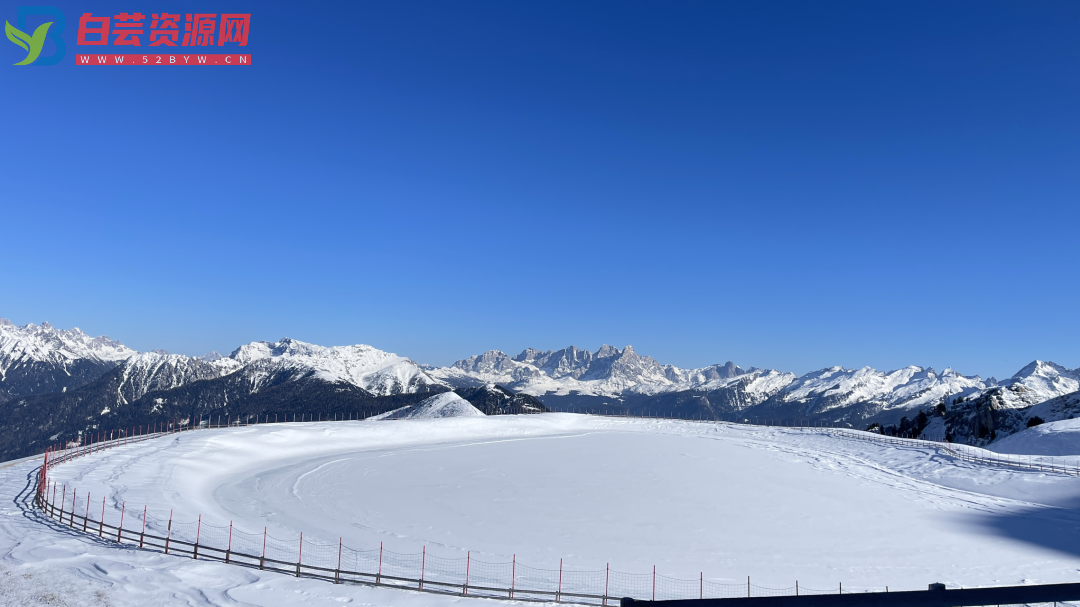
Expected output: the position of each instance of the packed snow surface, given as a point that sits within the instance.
(777, 504)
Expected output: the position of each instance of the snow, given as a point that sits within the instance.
(1061, 438)
(1039, 382)
(45, 343)
(778, 504)
(447, 404)
(607, 372)
(148, 371)
(910, 387)
(381, 373)
(613, 373)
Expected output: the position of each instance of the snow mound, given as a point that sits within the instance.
(447, 404)
(1052, 438)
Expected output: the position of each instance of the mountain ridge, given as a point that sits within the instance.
(67, 370)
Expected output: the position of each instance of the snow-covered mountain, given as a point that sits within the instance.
(154, 371)
(39, 359)
(380, 373)
(258, 365)
(641, 383)
(837, 388)
(1039, 382)
(607, 372)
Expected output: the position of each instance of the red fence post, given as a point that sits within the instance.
(101, 523)
(423, 566)
(262, 561)
(74, 496)
(228, 552)
(654, 582)
(513, 575)
(378, 577)
(142, 534)
(301, 559)
(337, 572)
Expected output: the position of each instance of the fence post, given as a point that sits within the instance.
(653, 582)
(301, 559)
(120, 529)
(142, 534)
(101, 523)
(558, 595)
(468, 562)
(701, 585)
(198, 533)
(607, 578)
(797, 588)
(513, 574)
(378, 577)
(168, 536)
(228, 551)
(423, 566)
(74, 496)
(747, 586)
(262, 560)
(63, 502)
(337, 572)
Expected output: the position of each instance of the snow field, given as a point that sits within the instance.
(729, 501)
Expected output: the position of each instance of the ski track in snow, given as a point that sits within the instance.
(778, 504)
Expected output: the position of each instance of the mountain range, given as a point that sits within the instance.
(623, 379)
(62, 384)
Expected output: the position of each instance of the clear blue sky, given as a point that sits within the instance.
(788, 185)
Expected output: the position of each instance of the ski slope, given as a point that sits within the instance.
(725, 501)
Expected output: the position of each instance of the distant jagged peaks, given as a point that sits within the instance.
(45, 343)
(39, 359)
(610, 372)
(36, 359)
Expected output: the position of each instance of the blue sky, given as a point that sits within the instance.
(788, 185)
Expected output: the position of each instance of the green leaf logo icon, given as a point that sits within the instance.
(32, 44)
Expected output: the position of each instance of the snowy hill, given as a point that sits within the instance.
(446, 404)
(1052, 438)
(38, 359)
